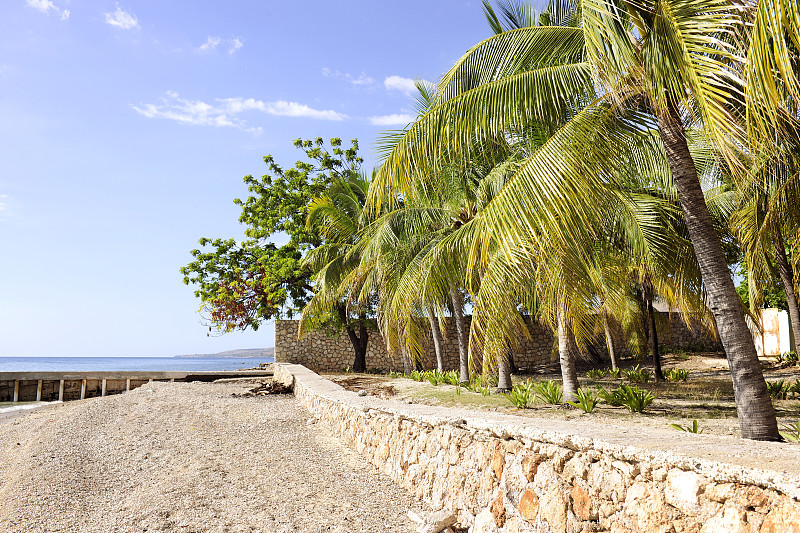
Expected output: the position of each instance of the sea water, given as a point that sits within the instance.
(103, 364)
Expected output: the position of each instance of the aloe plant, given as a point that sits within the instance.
(520, 395)
(676, 374)
(694, 428)
(550, 392)
(585, 400)
(636, 399)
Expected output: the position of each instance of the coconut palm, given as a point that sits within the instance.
(340, 213)
(657, 65)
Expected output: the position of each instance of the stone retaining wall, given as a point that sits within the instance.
(323, 353)
(503, 473)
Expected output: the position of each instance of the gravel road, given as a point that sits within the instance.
(188, 457)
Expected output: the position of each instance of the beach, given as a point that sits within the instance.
(189, 457)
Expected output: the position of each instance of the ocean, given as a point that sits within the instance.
(77, 364)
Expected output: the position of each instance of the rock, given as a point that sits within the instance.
(554, 509)
(498, 510)
(363, 393)
(582, 504)
(530, 464)
(720, 493)
(728, 520)
(529, 506)
(782, 519)
(683, 489)
(484, 523)
(435, 522)
(498, 460)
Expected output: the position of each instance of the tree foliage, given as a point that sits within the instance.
(242, 284)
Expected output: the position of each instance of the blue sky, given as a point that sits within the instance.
(127, 128)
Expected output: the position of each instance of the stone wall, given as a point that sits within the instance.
(323, 353)
(503, 473)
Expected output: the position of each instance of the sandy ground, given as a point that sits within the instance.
(188, 457)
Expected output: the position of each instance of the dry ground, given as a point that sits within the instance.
(706, 396)
(188, 457)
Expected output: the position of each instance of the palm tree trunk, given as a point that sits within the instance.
(787, 278)
(569, 375)
(609, 342)
(458, 315)
(436, 333)
(504, 373)
(359, 344)
(652, 336)
(407, 367)
(753, 404)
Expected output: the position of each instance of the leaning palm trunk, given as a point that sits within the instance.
(754, 407)
(437, 340)
(787, 278)
(569, 375)
(610, 343)
(458, 315)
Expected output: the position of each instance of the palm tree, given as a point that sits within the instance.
(658, 67)
(334, 263)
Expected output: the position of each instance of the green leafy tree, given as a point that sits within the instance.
(242, 284)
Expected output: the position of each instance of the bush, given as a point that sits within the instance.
(676, 374)
(779, 390)
(637, 375)
(792, 433)
(612, 397)
(520, 395)
(595, 373)
(636, 399)
(586, 400)
(788, 357)
(550, 392)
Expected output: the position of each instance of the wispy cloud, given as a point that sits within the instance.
(122, 19)
(399, 83)
(361, 81)
(46, 7)
(212, 43)
(224, 111)
(396, 119)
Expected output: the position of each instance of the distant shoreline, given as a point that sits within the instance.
(247, 353)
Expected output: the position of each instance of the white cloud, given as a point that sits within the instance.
(212, 43)
(42, 5)
(396, 119)
(235, 44)
(46, 6)
(122, 19)
(224, 112)
(361, 81)
(398, 83)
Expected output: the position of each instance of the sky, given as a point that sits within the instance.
(126, 129)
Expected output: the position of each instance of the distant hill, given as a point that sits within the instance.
(234, 354)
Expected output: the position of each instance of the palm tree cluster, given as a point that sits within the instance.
(575, 166)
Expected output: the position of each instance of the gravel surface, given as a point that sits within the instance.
(188, 457)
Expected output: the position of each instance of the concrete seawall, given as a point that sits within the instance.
(64, 386)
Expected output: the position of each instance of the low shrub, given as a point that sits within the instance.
(520, 395)
(595, 373)
(550, 392)
(612, 397)
(676, 374)
(791, 432)
(586, 400)
(779, 390)
(636, 399)
(637, 375)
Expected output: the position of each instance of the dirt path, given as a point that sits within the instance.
(190, 458)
